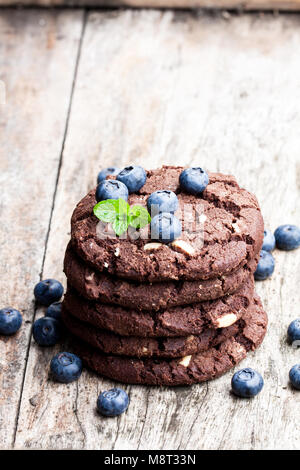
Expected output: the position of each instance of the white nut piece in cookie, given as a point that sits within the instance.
(152, 246)
(183, 247)
(117, 251)
(226, 320)
(236, 228)
(190, 339)
(185, 361)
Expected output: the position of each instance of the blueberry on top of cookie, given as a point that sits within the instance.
(165, 227)
(110, 171)
(134, 177)
(111, 189)
(194, 180)
(162, 200)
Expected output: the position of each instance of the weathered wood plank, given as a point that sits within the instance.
(37, 54)
(248, 5)
(157, 88)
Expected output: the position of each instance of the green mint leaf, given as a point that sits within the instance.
(138, 217)
(120, 224)
(120, 215)
(122, 207)
(106, 210)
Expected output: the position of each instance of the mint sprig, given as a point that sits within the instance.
(139, 217)
(119, 213)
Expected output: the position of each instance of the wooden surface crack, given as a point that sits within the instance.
(50, 220)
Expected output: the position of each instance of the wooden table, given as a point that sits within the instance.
(82, 90)
(241, 5)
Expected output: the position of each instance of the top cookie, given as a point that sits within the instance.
(221, 229)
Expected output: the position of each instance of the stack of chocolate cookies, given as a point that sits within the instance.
(146, 312)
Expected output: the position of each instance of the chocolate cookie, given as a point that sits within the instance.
(181, 371)
(157, 296)
(110, 343)
(177, 321)
(221, 230)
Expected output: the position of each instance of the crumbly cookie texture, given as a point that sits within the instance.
(134, 346)
(187, 370)
(221, 230)
(98, 286)
(174, 321)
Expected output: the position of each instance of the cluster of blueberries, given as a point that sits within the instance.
(248, 382)
(162, 204)
(286, 237)
(65, 367)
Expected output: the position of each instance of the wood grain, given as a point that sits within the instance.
(155, 88)
(38, 56)
(241, 5)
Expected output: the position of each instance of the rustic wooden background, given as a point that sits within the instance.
(247, 5)
(89, 89)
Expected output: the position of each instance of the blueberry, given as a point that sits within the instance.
(10, 321)
(294, 331)
(133, 176)
(269, 241)
(247, 383)
(110, 171)
(46, 331)
(265, 266)
(66, 367)
(111, 189)
(113, 402)
(295, 376)
(165, 227)
(287, 237)
(162, 201)
(193, 180)
(54, 311)
(48, 291)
